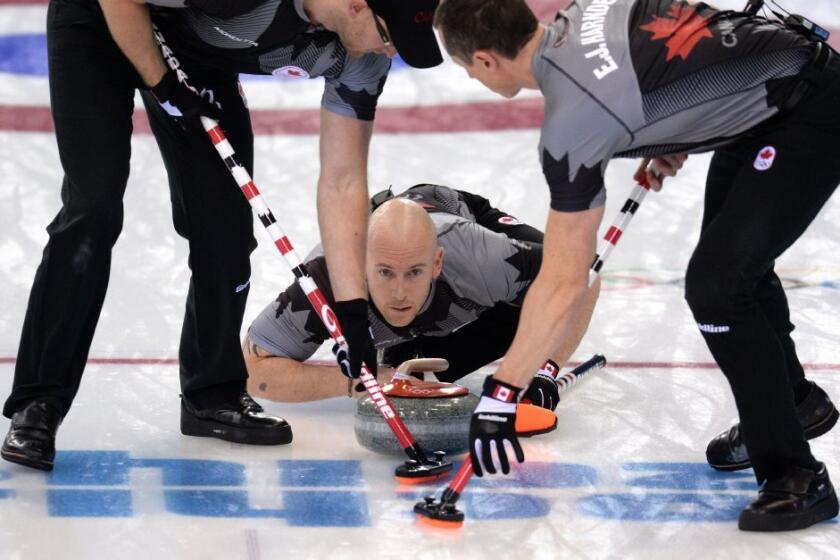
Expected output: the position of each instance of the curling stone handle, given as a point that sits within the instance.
(420, 364)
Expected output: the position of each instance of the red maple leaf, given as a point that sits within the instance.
(766, 154)
(683, 29)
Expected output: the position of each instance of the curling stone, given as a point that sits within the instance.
(436, 414)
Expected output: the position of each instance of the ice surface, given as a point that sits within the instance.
(624, 476)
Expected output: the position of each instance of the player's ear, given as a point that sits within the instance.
(485, 59)
(438, 262)
(355, 7)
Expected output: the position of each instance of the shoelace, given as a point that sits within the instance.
(249, 404)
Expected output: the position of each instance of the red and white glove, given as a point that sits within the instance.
(543, 391)
(493, 428)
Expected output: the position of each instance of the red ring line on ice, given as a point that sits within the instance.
(618, 365)
(482, 116)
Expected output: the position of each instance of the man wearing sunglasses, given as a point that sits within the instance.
(100, 53)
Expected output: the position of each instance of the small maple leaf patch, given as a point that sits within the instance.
(290, 72)
(764, 158)
(683, 29)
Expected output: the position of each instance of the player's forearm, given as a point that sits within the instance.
(286, 380)
(131, 27)
(343, 209)
(343, 204)
(551, 314)
(569, 344)
(557, 307)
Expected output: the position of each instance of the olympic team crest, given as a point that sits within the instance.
(764, 159)
(509, 221)
(290, 72)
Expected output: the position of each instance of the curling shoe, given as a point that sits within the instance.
(242, 421)
(31, 438)
(795, 500)
(816, 413)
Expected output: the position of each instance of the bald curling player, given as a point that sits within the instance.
(446, 273)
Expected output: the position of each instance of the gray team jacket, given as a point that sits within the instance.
(631, 78)
(480, 269)
(276, 37)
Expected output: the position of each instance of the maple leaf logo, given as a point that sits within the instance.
(766, 154)
(683, 30)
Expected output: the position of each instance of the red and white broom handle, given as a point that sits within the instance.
(313, 293)
(619, 225)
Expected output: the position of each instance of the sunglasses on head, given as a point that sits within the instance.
(383, 34)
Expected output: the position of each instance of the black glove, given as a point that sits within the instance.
(358, 346)
(543, 389)
(224, 9)
(492, 426)
(180, 99)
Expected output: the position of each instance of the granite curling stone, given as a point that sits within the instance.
(436, 414)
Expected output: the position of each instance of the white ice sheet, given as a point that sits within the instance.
(623, 477)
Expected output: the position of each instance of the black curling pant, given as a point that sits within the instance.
(92, 87)
(754, 212)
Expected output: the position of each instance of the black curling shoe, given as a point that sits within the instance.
(796, 500)
(816, 413)
(239, 422)
(31, 438)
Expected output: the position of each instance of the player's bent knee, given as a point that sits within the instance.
(707, 285)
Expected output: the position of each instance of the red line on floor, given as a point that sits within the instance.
(516, 114)
(615, 365)
(482, 116)
(116, 361)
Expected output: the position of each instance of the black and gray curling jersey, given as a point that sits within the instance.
(277, 38)
(480, 269)
(631, 78)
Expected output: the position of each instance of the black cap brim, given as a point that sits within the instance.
(410, 27)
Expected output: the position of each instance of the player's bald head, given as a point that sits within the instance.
(399, 225)
(403, 259)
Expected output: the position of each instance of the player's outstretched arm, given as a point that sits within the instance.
(343, 204)
(553, 309)
(559, 304)
(343, 208)
(543, 389)
(282, 379)
(579, 326)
